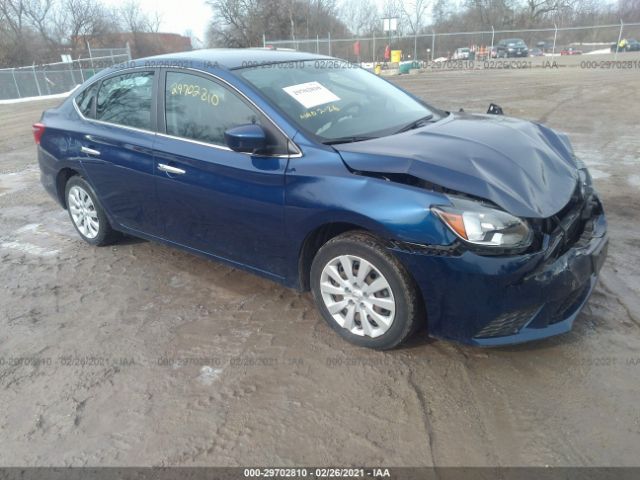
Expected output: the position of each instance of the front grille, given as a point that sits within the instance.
(566, 217)
(506, 324)
(565, 228)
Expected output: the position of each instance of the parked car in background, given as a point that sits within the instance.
(536, 52)
(626, 45)
(461, 54)
(310, 172)
(570, 51)
(512, 47)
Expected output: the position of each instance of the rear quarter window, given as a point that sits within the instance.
(126, 100)
(85, 100)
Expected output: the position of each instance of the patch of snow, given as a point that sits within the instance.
(33, 99)
(634, 181)
(599, 52)
(28, 248)
(208, 375)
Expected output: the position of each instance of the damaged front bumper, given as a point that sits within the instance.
(503, 300)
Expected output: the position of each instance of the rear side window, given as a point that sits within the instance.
(86, 99)
(201, 109)
(126, 100)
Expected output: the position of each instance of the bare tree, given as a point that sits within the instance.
(74, 19)
(38, 13)
(537, 9)
(138, 24)
(13, 14)
(242, 23)
(230, 25)
(360, 16)
(135, 20)
(414, 13)
(487, 13)
(629, 10)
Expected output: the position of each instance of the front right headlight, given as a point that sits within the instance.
(479, 225)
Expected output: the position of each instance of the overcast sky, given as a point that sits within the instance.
(178, 16)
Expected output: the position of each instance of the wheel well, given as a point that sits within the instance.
(314, 241)
(61, 182)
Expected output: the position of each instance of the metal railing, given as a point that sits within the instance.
(432, 45)
(59, 77)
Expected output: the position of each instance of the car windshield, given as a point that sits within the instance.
(515, 42)
(335, 100)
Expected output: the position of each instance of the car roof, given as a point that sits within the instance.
(231, 58)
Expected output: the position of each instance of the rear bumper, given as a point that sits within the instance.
(493, 301)
(49, 168)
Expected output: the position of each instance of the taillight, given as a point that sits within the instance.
(38, 130)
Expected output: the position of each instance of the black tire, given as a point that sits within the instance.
(106, 235)
(409, 313)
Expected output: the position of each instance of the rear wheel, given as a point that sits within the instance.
(364, 293)
(86, 213)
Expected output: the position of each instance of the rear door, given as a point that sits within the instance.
(117, 147)
(210, 198)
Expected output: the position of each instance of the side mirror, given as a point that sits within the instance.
(246, 138)
(495, 109)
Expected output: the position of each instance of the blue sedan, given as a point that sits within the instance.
(319, 175)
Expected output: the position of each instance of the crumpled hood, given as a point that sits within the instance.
(523, 167)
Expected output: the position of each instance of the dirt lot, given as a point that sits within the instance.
(138, 354)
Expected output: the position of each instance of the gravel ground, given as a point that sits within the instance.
(138, 354)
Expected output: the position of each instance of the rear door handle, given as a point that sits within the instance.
(169, 169)
(90, 151)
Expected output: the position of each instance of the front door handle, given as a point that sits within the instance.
(169, 169)
(90, 151)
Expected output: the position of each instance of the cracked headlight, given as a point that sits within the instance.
(484, 226)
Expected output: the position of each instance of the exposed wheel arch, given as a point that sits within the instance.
(315, 240)
(61, 183)
(312, 244)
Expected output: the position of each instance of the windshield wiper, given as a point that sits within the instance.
(350, 139)
(415, 124)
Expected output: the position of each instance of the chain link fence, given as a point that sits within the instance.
(60, 77)
(434, 45)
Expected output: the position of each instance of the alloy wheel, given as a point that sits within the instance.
(83, 212)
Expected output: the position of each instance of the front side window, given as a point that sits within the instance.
(126, 100)
(333, 99)
(202, 109)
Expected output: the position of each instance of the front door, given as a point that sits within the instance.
(210, 198)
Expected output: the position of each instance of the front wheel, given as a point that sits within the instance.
(364, 293)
